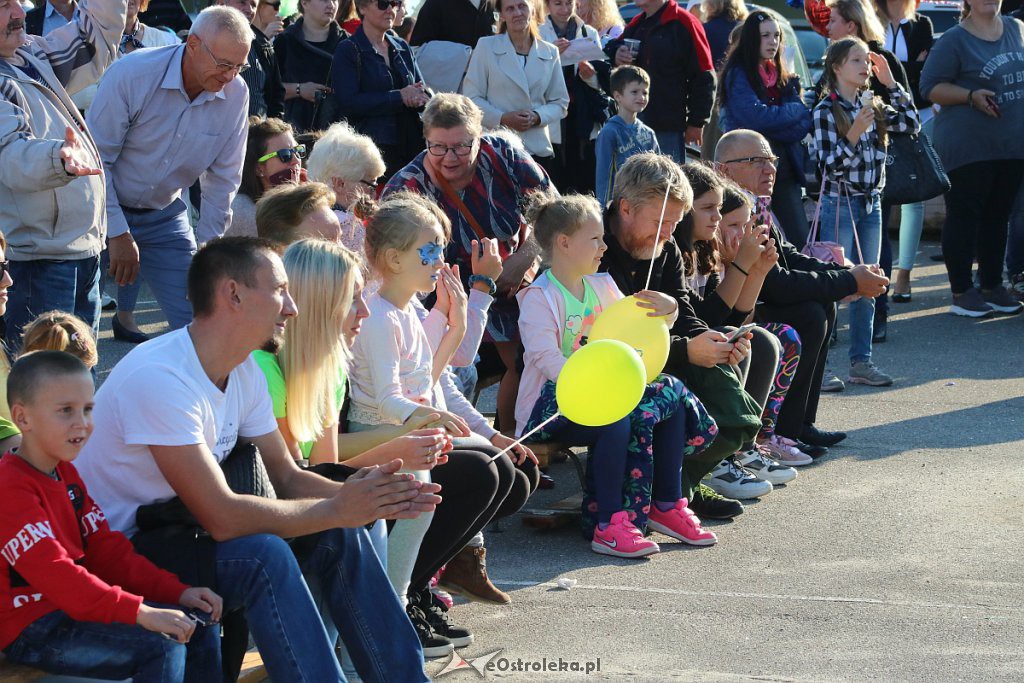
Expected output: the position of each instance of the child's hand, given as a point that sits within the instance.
(751, 246)
(659, 304)
(769, 257)
(443, 304)
(519, 453)
(204, 600)
(881, 69)
(860, 125)
(172, 622)
(456, 295)
(485, 259)
(423, 421)
(423, 449)
(455, 425)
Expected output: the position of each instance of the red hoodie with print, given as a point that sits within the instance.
(59, 553)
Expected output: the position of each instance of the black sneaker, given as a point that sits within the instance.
(434, 645)
(819, 437)
(811, 449)
(709, 504)
(439, 620)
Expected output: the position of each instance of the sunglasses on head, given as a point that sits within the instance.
(286, 155)
(382, 5)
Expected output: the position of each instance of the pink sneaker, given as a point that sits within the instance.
(786, 453)
(681, 524)
(621, 539)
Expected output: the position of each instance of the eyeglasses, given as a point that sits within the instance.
(223, 67)
(286, 155)
(462, 149)
(757, 161)
(382, 5)
(372, 184)
(275, 5)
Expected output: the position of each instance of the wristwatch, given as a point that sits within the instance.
(298, 90)
(491, 285)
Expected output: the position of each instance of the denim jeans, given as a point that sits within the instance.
(166, 247)
(912, 219)
(261, 574)
(58, 644)
(71, 286)
(866, 214)
(672, 143)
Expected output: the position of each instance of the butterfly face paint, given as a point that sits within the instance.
(430, 252)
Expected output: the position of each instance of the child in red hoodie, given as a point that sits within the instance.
(72, 590)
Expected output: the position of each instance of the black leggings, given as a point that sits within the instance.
(813, 321)
(475, 491)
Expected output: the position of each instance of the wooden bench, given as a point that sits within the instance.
(15, 673)
(253, 671)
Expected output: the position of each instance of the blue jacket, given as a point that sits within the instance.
(785, 124)
(367, 94)
(616, 143)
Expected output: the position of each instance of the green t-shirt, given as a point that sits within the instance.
(7, 427)
(579, 315)
(279, 390)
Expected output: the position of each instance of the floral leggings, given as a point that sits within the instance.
(654, 432)
(788, 360)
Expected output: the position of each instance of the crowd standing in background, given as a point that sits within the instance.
(351, 217)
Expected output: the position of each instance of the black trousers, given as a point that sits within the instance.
(813, 321)
(475, 491)
(977, 215)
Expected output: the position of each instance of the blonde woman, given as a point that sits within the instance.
(516, 79)
(351, 165)
(720, 18)
(604, 16)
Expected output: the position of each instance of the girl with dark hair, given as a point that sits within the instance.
(272, 158)
(726, 298)
(757, 92)
(851, 136)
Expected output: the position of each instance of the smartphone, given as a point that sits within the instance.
(763, 210)
(741, 332)
(993, 105)
(200, 617)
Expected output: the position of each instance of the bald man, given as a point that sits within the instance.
(800, 291)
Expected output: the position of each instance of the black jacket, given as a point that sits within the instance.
(273, 89)
(668, 278)
(797, 278)
(166, 14)
(457, 21)
(920, 36)
(712, 309)
(300, 62)
(34, 20)
(675, 52)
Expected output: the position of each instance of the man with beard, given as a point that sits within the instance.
(635, 232)
(161, 119)
(799, 290)
(173, 409)
(51, 193)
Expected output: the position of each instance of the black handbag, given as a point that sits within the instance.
(913, 171)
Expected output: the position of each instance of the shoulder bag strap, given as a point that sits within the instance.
(460, 205)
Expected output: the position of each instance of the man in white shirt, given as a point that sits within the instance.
(161, 119)
(174, 408)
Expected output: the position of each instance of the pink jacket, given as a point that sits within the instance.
(541, 322)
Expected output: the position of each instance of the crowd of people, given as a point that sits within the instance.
(351, 218)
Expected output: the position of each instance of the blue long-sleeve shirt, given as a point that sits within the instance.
(616, 143)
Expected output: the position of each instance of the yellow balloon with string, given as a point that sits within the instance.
(627, 322)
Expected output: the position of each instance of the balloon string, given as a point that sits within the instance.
(524, 437)
(654, 250)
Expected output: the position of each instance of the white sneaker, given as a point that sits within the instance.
(108, 303)
(786, 453)
(732, 481)
(758, 461)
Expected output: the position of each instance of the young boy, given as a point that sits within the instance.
(623, 135)
(63, 569)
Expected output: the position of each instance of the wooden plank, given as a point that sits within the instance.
(555, 515)
(253, 670)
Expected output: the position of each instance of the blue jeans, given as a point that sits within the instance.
(866, 214)
(260, 574)
(672, 143)
(71, 286)
(166, 247)
(58, 644)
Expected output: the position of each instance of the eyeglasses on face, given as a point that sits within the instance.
(382, 5)
(223, 67)
(756, 161)
(461, 150)
(286, 155)
(372, 184)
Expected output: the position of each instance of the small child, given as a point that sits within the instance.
(60, 331)
(636, 463)
(68, 584)
(851, 130)
(623, 135)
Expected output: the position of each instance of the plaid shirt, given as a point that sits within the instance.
(860, 167)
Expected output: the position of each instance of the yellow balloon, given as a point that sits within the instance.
(601, 383)
(626, 322)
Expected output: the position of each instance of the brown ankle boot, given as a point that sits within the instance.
(466, 575)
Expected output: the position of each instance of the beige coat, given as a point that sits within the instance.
(498, 82)
(44, 212)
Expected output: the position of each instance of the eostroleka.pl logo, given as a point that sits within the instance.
(492, 662)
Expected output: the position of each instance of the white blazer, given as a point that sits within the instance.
(547, 32)
(498, 82)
